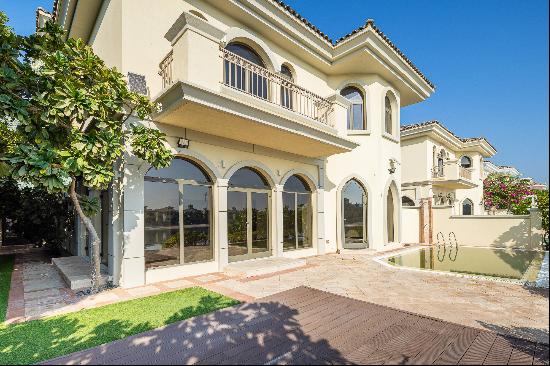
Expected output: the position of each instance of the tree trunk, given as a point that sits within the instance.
(95, 240)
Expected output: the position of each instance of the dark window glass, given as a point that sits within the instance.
(406, 201)
(466, 162)
(260, 222)
(246, 78)
(237, 228)
(179, 169)
(388, 115)
(162, 230)
(354, 204)
(248, 178)
(390, 217)
(245, 52)
(304, 215)
(178, 201)
(356, 115)
(286, 88)
(467, 207)
(296, 184)
(289, 221)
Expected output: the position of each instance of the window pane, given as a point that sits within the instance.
(304, 219)
(247, 178)
(296, 184)
(354, 219)
(388, 116)
(389, 218)
(179, 169)
(162, 238)
(196, 224)
(260, 223)
(467, 207)
(236, 223)
(357, 110)
(245, 52)
(289, 219)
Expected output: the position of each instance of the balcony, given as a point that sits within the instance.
(216, 92)
(453, 176)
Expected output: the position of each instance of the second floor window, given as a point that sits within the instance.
(388, 118)
(244, 74)
(356, 113)
(466, 162)
(286, 90)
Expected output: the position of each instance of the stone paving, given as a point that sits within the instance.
(498, 306)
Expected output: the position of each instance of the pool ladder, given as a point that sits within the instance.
(442, 247)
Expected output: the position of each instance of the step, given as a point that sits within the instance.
(264, 266)
(75, 271)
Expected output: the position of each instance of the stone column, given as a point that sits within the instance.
(133, 246)
(221, 222)
(426, 221)
(277, 221)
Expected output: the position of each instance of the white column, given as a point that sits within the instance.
(133, 249)
(221, 222)
(277, 221)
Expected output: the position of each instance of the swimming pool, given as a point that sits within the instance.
(521, 265)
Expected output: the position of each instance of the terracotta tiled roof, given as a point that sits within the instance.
(368, 24)
(434, 123)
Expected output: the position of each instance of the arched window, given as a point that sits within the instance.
(354, 215)
(466, 162)
(297, 214)
(388, 115)
(286, 88)
(390, 221)
(248, 212)
(467, 207)
(406, 201)
(356, 113)
(178, 215)
(243, 74)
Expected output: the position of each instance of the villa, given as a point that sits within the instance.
(443, 167)
(286, 144)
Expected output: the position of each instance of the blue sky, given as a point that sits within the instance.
(488, 60)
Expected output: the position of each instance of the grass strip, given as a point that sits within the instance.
(43, 339)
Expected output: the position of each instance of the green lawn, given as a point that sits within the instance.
(6, 268)
(39, 340)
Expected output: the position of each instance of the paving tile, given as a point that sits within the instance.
(178, 284)
(143, 291)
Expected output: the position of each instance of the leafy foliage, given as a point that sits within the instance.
(542, 203)
(68, 110)
(506, 192)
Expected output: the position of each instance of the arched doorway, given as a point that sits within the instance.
(248, 215)
(178, 215)
(354, 215)
(297, 214)
(242, 72)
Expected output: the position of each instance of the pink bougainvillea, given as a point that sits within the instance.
(505, 192)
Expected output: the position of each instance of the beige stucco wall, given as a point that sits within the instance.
(411, 224)
(518, 232)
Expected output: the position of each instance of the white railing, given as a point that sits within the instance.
(247, 77)
(165, 71)
(464, 173)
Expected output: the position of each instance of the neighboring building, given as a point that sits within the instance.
(439, 166)
(285, 143)
(489, 167)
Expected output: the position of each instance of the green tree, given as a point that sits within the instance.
(542, 204)
(506, 192)
(70, 113)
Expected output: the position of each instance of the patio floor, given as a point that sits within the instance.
(308, 326)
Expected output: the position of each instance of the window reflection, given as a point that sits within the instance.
(178, 215)
(297, 215)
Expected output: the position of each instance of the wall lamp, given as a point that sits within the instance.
(183, 143)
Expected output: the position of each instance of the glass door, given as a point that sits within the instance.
(248, 224)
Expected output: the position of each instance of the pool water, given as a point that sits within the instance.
(514, 264)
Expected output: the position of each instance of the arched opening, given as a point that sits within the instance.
(354, 215)
(466, 162)
(388, 115)
(297, 214)
(390, 217)
(439, 170)
(467, 207)
(178, 215)
(241, 70)
(406, 201)
(356, 112)
(286, 88)
(248, 215)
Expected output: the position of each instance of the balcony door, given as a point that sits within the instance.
(248, 214)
